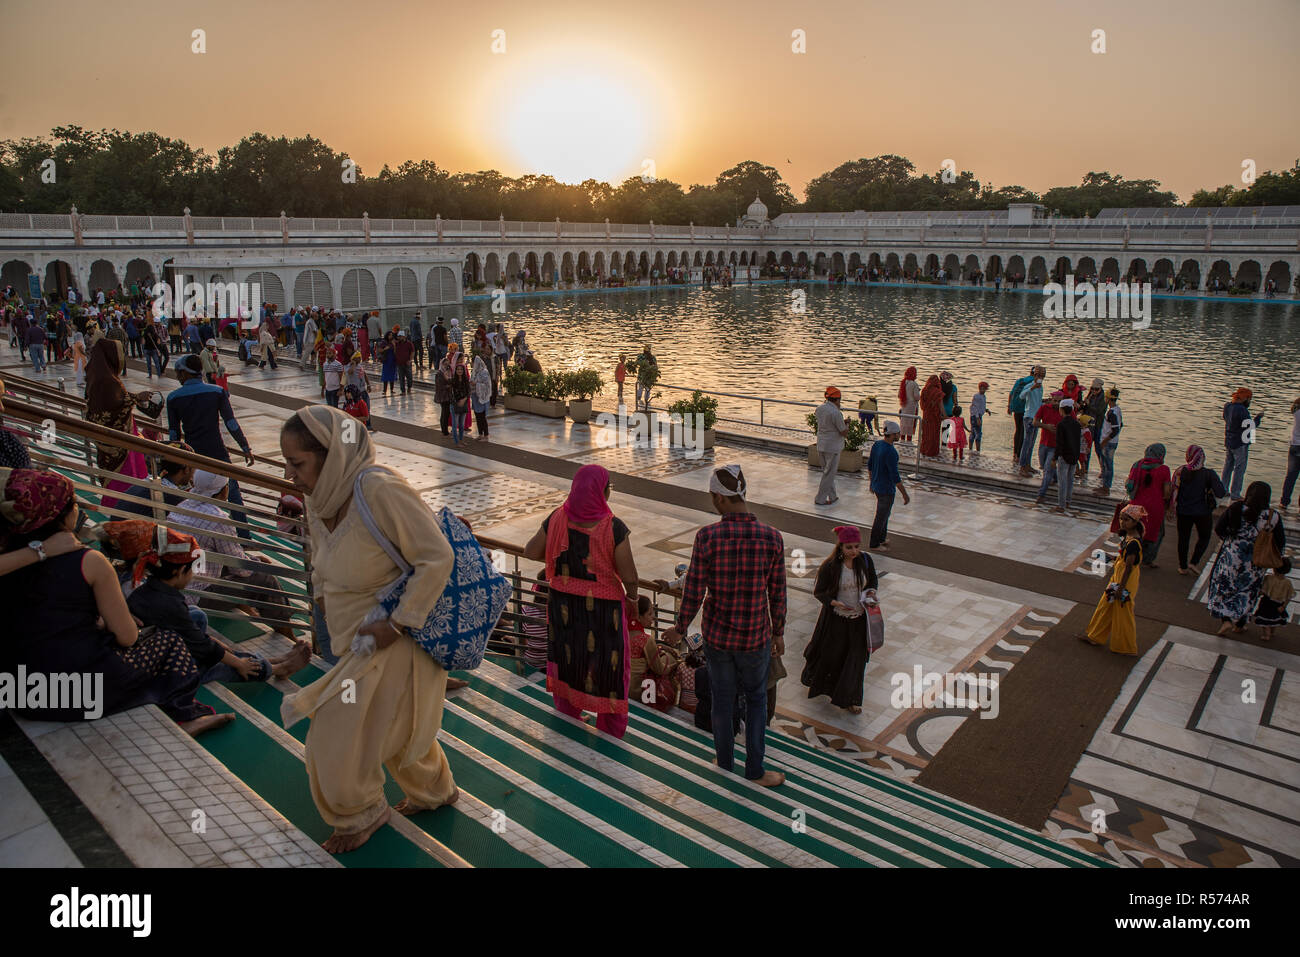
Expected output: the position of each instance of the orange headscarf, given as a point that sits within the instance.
(143, 544)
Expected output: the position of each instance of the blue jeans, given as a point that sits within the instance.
(1047, 461)
(1106, 456)
(151, 360)
(38, 358)
(1235, 465)
(1292, 470)
(297, 338)
(322, 634)
(1027, 445)
(224, 672)
(457, 422)
(1064, 482)
(746, 672)
(221, 671)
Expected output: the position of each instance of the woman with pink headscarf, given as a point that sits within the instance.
(1196, 495)
(838, 651)
(590, 571)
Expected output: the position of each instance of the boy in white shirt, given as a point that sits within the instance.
(333, 370)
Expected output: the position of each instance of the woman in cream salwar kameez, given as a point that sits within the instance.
(385, 709)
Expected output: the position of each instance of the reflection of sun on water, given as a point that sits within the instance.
(595, 119)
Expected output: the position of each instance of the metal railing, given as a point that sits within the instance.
(57, 437)
(803, 431)
(1279, 229)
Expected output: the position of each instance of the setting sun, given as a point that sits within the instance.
(578, 124)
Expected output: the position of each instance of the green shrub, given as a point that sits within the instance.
(648, 375)
(520, 382)
(585, 384)
(698, 403)
(552, 386)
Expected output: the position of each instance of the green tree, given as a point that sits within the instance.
(1099, 191)
(746, 180)
(1272, 189)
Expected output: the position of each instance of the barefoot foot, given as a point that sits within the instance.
(206, 723)
(293, 662)
(771, 779)
(408, 807)
(338, 843)
(454, 684)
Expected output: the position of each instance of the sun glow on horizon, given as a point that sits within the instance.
(593, 121)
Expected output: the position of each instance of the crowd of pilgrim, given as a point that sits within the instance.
(119, 597)
(1249, 575)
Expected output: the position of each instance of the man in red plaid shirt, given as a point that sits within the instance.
(740, 563)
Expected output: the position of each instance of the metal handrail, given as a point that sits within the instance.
(73, 449)
(69, 399)
(762, 423)
(298, 607)
(24, 410)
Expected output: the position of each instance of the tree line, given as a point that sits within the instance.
(111, 171)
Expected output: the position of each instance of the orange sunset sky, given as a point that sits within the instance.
(1009, 89)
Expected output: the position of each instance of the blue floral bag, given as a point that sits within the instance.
(457, 629)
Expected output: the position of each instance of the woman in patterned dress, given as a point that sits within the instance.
(590, 571)
(1236, 581)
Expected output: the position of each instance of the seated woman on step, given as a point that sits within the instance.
(65, 615)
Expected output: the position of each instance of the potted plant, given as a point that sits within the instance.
(583, 386)
(521, 387)
(552, 390)
(854, 439)
(698, 404)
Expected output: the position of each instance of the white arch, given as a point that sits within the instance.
(440, 286)
(401, 288)
(270, 287)
(358, 290)
(313, 288)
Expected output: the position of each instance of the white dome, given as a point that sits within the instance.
(757, 211)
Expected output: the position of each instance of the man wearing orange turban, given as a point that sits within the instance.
(1238, 435)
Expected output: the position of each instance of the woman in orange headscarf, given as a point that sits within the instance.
(931, 415)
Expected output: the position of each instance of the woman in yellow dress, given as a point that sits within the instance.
(383, 709)
(1115, 617)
